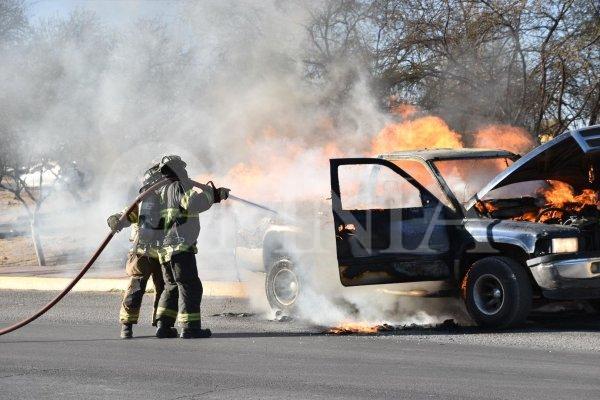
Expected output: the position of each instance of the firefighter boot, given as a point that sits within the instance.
(195, 333)
(126, 331)
(165, 331)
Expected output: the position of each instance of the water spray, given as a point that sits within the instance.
(210, 185)
(252, 204)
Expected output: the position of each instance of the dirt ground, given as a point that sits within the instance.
(14, 251)
(16, 246)
(10, 208)
(59, 250)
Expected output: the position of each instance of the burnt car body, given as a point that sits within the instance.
(437, 217)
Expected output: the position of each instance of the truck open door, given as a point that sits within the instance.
(388, 227)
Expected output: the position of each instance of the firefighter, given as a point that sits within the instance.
(142, 261)
(181, 206)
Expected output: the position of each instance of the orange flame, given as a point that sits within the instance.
(281, 159)
(246, 176)
(559, 195)
(275, 175)
(347, 328)
(507, 137)
(404, 110)
(562, 195)
(420, 133)
(531, 216)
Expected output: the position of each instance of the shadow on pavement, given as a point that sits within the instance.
(235, 335)
(69, 340)
(216, 335)
(537, 323)
(545, 323)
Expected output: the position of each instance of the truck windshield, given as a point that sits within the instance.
(466, 177)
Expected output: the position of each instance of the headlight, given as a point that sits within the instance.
(565, 245)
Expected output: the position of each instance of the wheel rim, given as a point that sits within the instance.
(285, 286)
(488, 294)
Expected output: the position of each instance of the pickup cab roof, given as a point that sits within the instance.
(448, 154)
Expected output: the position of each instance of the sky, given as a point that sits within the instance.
(115, 12)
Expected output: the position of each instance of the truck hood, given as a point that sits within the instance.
(572, 157)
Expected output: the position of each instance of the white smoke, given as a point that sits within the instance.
(222, 83)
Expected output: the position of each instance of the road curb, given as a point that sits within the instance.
(211, 288)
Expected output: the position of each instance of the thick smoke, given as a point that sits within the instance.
(223, 84)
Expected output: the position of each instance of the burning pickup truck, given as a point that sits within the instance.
(501, 231)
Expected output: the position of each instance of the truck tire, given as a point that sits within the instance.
(497, 292)
(283, 285)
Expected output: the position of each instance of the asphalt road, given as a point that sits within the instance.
(74, 352)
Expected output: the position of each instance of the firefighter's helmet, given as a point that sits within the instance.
(151, 176)
(173, 166)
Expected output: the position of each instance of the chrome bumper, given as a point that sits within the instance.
(564, 278)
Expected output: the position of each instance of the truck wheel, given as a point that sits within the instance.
(283, 286)
(497, 292)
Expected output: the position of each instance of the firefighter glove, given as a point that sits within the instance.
(114, 222)
(221, 194)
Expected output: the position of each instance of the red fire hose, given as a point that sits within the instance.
(99, 251)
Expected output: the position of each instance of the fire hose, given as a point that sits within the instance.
(103, 245)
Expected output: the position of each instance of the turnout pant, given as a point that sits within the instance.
(140, 268)
(183, 291)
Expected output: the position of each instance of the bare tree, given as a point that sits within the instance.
(34, 155)
(16, 177)
(13, 21)
(529, 63)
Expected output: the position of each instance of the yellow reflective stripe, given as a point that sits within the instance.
(134, 215)
(171, 213)
(189, 317)
(165, 254)
(151, 252)
(128, 316)
(168, 211)
(186, 198)
(165, 312)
